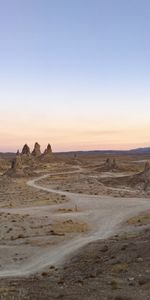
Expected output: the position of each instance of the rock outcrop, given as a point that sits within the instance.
(146, 176)
(25, 150)
(109, 165)
(48, 150)
(114, 164)
(17, 163)
(3, 164)
(36, 151)
(147, 167)
(142, 179)
(16, 169)
(48, 156)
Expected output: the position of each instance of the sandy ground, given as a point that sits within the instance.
(85, 183)
(53, 227)
(35, 237)
(117, 268)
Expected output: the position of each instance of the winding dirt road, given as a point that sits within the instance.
(103, 214)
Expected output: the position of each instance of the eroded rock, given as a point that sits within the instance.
(109, 165)
(16, 169)
(147, 167)
(3, 164)
(36, 151)
(48, 150)
(25, 150)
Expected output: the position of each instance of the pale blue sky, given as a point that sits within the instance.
(75, 73)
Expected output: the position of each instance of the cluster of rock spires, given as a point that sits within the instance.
(109, 165)
(17, 169)
(36, 151)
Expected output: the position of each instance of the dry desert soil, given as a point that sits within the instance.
(76, 228)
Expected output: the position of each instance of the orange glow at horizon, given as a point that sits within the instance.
(74, 140)
(79, 123)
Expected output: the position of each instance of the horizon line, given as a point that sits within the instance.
(90, 150)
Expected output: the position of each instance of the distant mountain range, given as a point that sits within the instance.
(141, 150)
(145, 150)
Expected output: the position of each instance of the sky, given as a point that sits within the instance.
(74, 73)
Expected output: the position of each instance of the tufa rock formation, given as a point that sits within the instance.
(3, 164)
(114, 164)
(147, 176)
(147, 167)
(48, 150)
(36, 151)
(109, 165)
(25, 150)
(17, 163)
(16, 169)
(142, 179)
(18, 153)
(48, 156)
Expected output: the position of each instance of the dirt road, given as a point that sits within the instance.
(103, 214)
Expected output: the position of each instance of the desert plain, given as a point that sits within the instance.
(74, 226)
